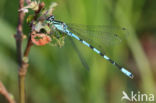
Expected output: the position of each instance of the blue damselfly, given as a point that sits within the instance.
(64, 28)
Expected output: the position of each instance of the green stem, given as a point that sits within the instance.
(22, 88)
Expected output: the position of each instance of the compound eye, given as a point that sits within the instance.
(51, 18)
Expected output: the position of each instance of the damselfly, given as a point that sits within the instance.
(62, 27)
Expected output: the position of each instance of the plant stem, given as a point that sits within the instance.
(22, 88)
(23, 60)
(21, 68)
(27, 50)
(6, 94)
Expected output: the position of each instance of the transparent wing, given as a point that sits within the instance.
(105, 34)
(81, 57)
(99, 36)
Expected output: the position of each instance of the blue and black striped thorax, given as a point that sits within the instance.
(61, 26)
(51, 20)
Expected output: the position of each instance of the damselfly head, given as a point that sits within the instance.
(50, 19)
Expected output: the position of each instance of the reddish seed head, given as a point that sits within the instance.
(40, 39)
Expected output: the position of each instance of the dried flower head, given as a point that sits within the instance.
(34, 5)
(40, 39)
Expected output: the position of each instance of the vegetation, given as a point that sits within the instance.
(57, 75)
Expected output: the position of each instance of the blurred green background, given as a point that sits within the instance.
(56, 75)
